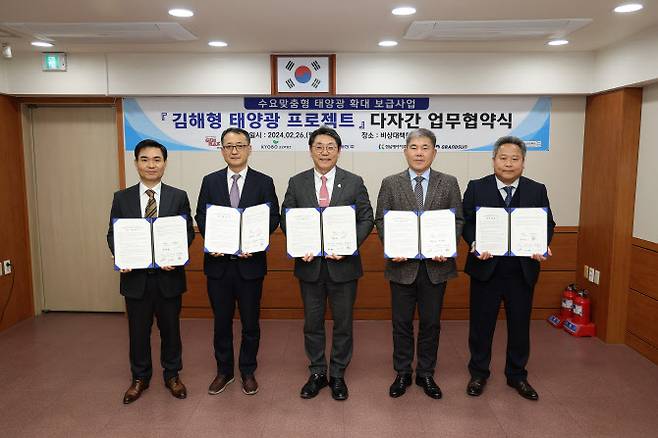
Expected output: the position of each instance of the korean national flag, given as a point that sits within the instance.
(298, 74)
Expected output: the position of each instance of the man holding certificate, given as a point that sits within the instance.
(508, 227)
(419, 261)
(236, 212)
(327, 263)
(152, 286)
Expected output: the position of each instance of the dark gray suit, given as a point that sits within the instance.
(420, 282)
(322, 278)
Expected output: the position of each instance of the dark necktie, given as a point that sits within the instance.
(235, 191)
(151, 205)
(508, 198)
(418, 191)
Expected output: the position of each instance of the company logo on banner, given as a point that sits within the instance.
(365, 124)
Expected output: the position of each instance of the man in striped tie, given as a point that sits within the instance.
(333, 277)
(156, 292)
(418, 283)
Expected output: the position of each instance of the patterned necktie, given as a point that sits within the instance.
(324, 193)
(151, 206)
(418, 191)
(235, 191)
(508, 198)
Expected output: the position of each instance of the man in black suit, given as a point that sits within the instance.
(508, 279)
(333, 276)
(152, 292)
(230, 277)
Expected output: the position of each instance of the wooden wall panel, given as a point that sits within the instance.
(607, 200)
(641, 327)
(282, 299)
(16, 302)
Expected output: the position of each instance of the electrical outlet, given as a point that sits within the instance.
(597, 276)
(6, 267)
(586, 272)
(590, 274)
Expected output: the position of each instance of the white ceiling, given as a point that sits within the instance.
(313, 26)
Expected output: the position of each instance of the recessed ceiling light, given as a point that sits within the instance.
(41, 44)
(404, 10)
(388, 43)
(181, 13)
(558, 42)
(628, 7)
(217, 44)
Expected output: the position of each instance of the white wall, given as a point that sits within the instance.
(465, 73)
(629, 62)
(3, 75)
(646, 195)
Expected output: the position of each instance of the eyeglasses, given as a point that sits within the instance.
(423, 148)
(329, 147)
(239, 147)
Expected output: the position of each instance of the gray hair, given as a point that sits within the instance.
(421, 132)
(509, 139)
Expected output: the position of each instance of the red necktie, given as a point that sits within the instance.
(324, 193)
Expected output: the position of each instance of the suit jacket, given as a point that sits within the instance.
(396, 194)
(258, 189)
(349, 189)
(484, 192)
(126, 204)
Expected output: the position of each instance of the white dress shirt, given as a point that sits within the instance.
(229, 179)
(501, 187)
(144, 198)
(331, 176)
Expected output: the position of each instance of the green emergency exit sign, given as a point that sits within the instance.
(53, 61)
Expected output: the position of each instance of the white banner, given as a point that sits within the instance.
(365, 124)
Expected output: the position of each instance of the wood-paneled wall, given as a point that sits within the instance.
(642, 322)
(612, 131)
(281, 296)
(16, 303)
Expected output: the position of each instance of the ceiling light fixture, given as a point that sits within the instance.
(41, 44)
(217, 44)
(628, 7)
(388, 43)
(404, 10)
(180, 13)
(558, 42)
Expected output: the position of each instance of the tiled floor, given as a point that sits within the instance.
(63, 375)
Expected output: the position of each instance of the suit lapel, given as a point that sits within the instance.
(337, 191)
(166, 201)
(247, 190)
(134, 207)
(494, 193)
(309, 188)
(432, 189)
(405, 185)
(520, 191)
(222, 188)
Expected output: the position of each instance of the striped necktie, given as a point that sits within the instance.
(508, 198)
(151, 205)
(418, 191)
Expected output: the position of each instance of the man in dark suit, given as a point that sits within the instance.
(419, 283)
(234, 278)
(508, 279)
(332, 276)
(152, 292)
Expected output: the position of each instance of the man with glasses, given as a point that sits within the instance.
(333, 277)
(234, 278)
(420, 283)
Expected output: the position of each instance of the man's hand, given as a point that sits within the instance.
(334, 257)
(483, 256)
(440, 259)
(399, 259)
(540, 257)
(167, 268)
(216, 254)
(245, 255)
(308, 257)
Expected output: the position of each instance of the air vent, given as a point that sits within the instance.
(493, 29)
(104, 32)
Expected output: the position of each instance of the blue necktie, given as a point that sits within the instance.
(508, 198)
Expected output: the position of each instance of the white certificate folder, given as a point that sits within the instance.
(146, 243)
(237, 230)
(420, 234)
(321, 231)
(512, 232)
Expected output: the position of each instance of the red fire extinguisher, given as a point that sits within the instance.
(568, 296)
(581, 308)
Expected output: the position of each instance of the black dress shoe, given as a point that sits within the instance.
(429, 386)
(338, 388)
(313, 386)
(524, 389)
(475, 386)
(399, 386)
